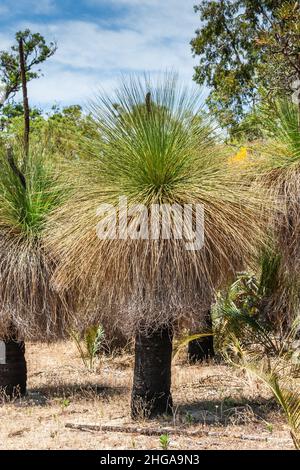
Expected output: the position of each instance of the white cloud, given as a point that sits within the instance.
(61, 86)
(3, 9)
(140, 3)
(126, 3)
(151, 35)
(174, 18)
(41, 7)
(85, 45)
(35, 7)
(5, 43)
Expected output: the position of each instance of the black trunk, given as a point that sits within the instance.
(13, 370)
(151, 393)
(202, 349)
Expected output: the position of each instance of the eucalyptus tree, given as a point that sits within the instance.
(244, 47)
(18, 66)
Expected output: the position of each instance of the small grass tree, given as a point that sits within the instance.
(29, 307)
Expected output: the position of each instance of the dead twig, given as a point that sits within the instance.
(159, 431)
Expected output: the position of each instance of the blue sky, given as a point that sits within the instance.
(100, 39)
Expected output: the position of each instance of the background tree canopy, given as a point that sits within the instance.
(36, 51)
(244, 48)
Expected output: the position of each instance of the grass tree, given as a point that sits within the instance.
(280, 149)
(29, 307)
(152, 149)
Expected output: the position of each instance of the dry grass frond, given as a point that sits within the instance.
(29, 306)
(280, 374)
(28, 302)
(164, 154)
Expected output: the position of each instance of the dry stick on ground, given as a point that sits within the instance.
(25, 99)
(160, 431)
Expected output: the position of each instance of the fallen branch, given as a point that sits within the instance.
(159, 431)
(135, 430)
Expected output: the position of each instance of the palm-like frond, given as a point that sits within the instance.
(237, 314)
(154, 148)
(275, 361)
(187, 339)
(279, 374)
(289, 401)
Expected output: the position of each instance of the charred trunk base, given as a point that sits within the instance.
(13, 370)
(201, 350)
(151, 393)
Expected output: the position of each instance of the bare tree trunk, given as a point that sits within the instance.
(13, 370)
(25, 100)
(299, 94)
(151, 393)
(202, 349)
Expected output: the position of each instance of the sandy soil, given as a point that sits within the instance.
(229, 409)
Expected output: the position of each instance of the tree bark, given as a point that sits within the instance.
(25, 99)
(202, 349)
(13, 373)
(151, 393)
(14, 168)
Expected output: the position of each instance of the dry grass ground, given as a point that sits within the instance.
(229, 409)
